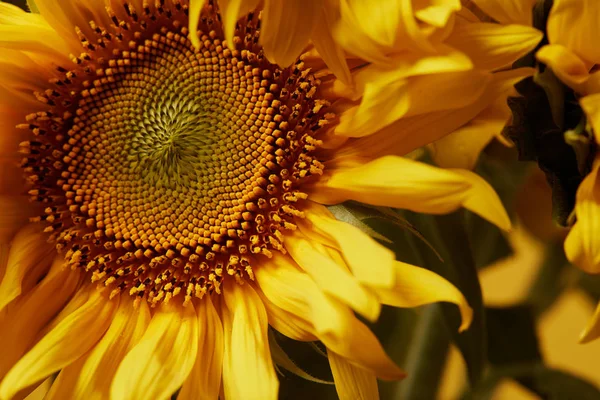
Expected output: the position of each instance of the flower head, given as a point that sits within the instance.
(177, 210)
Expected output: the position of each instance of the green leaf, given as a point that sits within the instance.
(551, 383)
(447, 233)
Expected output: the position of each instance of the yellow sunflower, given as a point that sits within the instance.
(573, 55)
(172, 206)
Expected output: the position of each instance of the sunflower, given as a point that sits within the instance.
(466, 108)
(572, 55)
(177, 187)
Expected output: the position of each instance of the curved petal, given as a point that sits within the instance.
(569, 68)
(566, 27)
(162, 359)
(68, 341)
(334, 323)
(29, 258)
(494, 46)
(325, 44)
(582, 245)
(23, 319)
(591, 106)
(194, 16)
(508, 11)
(90, 377)
(351, 382)
(283, 321)
(592, 331)
(417, 286)
(403, 183)
(370, 262)
(324, 270)
(247, 365)
(204, 382)
(286, 28)
(15, 212)
(414, 86)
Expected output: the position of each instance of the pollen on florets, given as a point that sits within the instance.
(166, 169)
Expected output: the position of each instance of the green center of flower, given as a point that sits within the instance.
(166, 168)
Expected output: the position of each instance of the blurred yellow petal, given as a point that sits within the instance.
(204, 382)
(29, 258)
(287, 27)
(592, 331)
(359, 249)
(231, 12)
(90, 377)
(415, 86)
(403, 183)
(572, 23)
(283, 321)
(591, 106)
(494, 46)
(23, 319)
(508, 11)
(325, 44)
(323, 270)
(162, 359)
(247, 365)
(582, 245)
(351, 382)
(195, 9)
(417, 286)
(64, 344)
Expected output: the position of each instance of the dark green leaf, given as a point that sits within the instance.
(549, 283)
(512, 336)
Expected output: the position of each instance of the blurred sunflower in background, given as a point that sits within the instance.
(178, 179)
(572, 57)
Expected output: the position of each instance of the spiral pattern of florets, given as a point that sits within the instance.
(166, 168)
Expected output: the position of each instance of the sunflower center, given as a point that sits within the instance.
(167, 168)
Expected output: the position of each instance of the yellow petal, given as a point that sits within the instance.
(408, 134)
(416, 85)
(370, 262)
(231, 12)
(29, 32)
(325, 44)
(403, 183)
(286, 28)
(162, 359)
(591, 105)
(567, 27)
(4, 251)
(194, 16)
(582, 245)
(508, 11)
(90, 376)
(248, 370)
(324, 270)
(288, 324)
(461, 148)
(351, 382)
(204, 382)
(417, 286)
(436, 13)
(64, 344)
(592, 331)
(29, 258)
(334, 323)
(22, 320)
(569, 68)
(493, 46)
